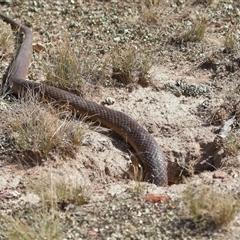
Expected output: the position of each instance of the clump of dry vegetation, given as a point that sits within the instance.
(37, 131)
(69, 192)
(230, 144)
(44, 218)
(44, 224)
(205, 2)
(150, 11)
(206, 204)
(150, 3)
(130, 66)
(74, 66)
(196, 33)
(63, 69)
(226, 116)
(230, 43)
(58, 194)
(136, 172)
(6, 39)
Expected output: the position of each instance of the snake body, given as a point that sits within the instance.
(142, 142)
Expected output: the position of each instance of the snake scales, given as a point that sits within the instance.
(142, 142)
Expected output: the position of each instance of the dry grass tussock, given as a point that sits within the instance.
(58, 194)
(44, 220)
(6, 39)
(73, 67)
(150, 11)
(37, 131)
(230, 145)
(44, 224)
(138, 175)
(230, 43)
(130, 65)
(78, 69)
(196, 32)
(206, 205)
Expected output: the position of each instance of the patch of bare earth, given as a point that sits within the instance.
(193, 92)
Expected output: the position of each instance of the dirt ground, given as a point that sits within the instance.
(182, 121)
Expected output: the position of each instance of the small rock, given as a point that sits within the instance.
(219, 174)
(109, 101)
(117, 39)
(157, 198)
(38, 47)
(93, 233)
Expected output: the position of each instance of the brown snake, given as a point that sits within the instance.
(142, 142)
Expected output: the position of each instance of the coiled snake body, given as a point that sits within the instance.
(143, 143)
